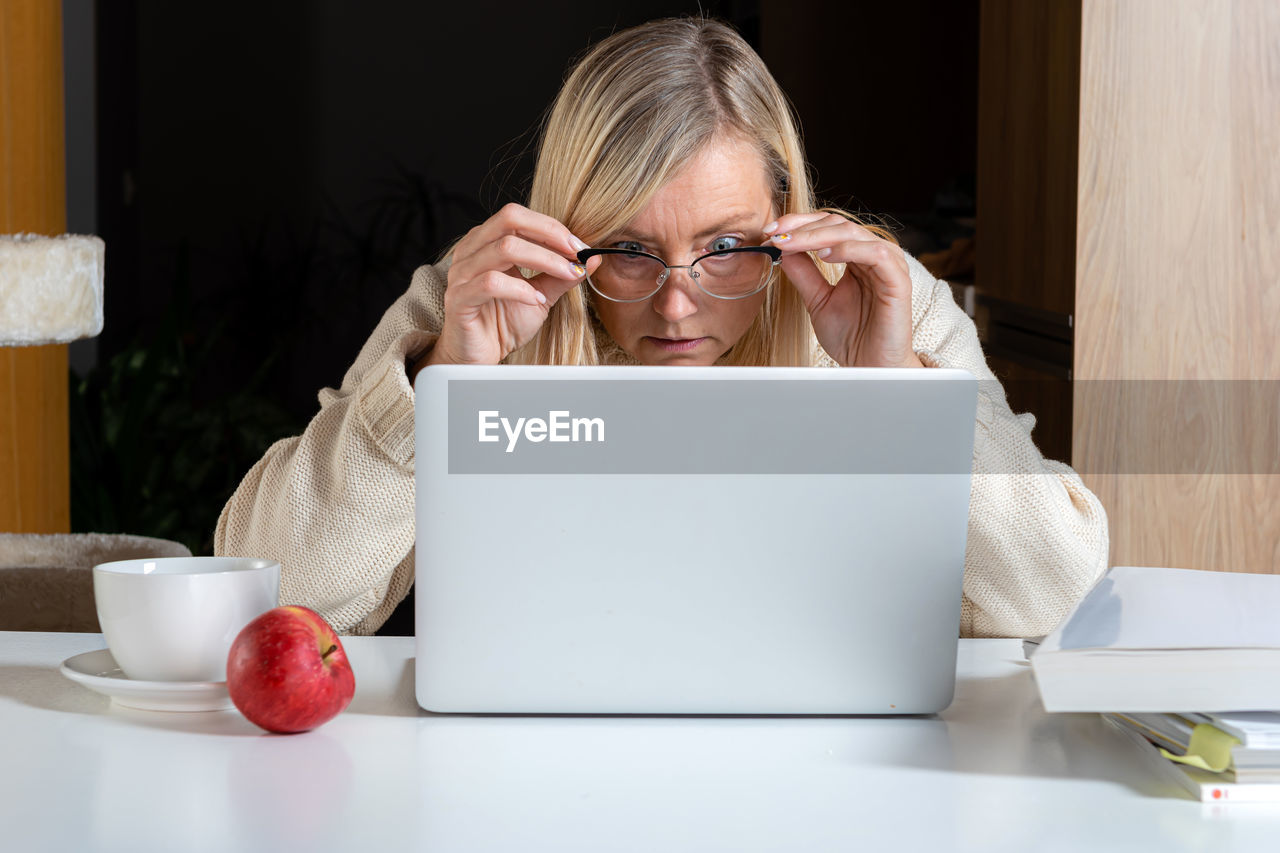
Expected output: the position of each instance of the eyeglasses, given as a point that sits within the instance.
(628, 276)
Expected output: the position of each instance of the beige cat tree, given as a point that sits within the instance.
(50, 294)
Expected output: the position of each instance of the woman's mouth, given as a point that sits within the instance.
(674, 344)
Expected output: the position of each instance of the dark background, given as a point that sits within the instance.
(267, 176)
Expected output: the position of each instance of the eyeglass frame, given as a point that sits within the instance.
(773, 252)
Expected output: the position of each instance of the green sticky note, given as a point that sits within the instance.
(1209, 749)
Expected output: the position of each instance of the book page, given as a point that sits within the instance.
(1139, 607)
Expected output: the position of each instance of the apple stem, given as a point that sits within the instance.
(331, 650)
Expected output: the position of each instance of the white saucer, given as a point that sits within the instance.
(99, 672)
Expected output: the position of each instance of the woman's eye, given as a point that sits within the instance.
(629, 245)
(722, 243)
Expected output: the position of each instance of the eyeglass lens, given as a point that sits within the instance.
(729, 275)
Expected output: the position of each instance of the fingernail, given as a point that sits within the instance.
(542, 297)
(780, 238)
(771, 227)
(577, 244)
(822, 253)
(578, 270)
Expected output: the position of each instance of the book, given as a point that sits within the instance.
(1200, 784)
(1256, 729)
(1159, 640)
(1191, 739)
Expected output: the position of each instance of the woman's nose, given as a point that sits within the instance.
(678, 297)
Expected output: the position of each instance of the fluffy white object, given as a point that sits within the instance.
(50, 288)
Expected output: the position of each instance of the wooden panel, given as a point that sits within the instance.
(34, 450)
(34, 494)
(32, 167)
(1178, 278)
(1028, 90)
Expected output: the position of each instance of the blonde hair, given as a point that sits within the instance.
(632, 112)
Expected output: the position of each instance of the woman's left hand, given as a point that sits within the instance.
(864, 320)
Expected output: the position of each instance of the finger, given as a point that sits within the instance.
(834, 220)
(824, 235)
(881, 263)
(808, 280)
(492, 286)
(522, 222)
(553, 288)
(791, 221)
(510, 251)
(877, 265)
(879, 256)
(783, 238)
(832, 228)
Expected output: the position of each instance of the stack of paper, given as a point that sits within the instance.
(1206, 755)
(1188, 664)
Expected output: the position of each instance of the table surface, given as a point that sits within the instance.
(993, 772)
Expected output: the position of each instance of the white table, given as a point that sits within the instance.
(992, 773)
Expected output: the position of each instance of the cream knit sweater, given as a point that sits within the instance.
(335, 505)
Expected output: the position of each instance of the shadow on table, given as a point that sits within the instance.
(998, 727)
(48, 689)
(45, 687)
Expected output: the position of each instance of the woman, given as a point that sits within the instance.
(672, 141)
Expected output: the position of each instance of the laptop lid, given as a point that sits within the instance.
(690, 540)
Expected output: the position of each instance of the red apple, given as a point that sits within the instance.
(287, 671)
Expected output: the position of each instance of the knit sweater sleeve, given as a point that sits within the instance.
(1038, 537)
(335, 505)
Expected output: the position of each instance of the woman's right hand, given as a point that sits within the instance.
(490, 309)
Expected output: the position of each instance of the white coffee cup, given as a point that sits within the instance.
(174, 618)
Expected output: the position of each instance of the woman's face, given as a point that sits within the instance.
(720, 200)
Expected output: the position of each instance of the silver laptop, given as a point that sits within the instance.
(647, 540)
